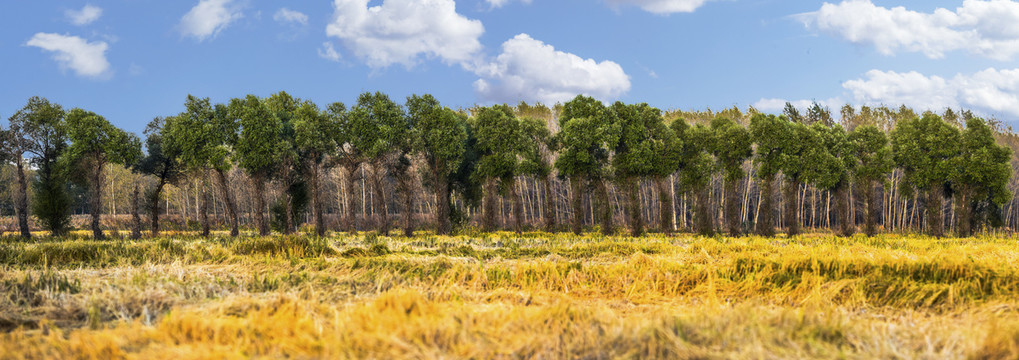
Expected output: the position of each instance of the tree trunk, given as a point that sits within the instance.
(935, 218)
(259, 179)
(231, 203)
(577, 189)
(442, 206)
(22, 200)
(791, 200)
(95, 198)
(765, 224)
(549, 215)
(667, 218)
(154, 205)
(488, 206)
(136, 218)
(964, 211)
(846, 228)
(379, 197)
(288, 209)
(732, 207)
(206, 228)
(704, 223)
(406, 189)
(316, 199)
(604, 207)
(350, 215)
(873, 208)
(634, 210)
(518, 206)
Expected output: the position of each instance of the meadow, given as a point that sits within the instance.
(503, 295)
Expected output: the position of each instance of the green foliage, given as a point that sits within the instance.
(697, 164)
(500, 141)
(583, 138)
(260, 144)
(95, 142)
(375, 126)
(829, 156)
(981, 169)
(441, 135)
(638, 135)
(195, 138)
(300, 201)
(922, 147)
(52, 202)
(536, 141)
(158, 161)
(770, 133)
(39, 129)
(315, 133)
(872, 154)
(731, 145)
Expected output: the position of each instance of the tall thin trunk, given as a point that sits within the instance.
(231, 203)
(732, 207)
(667, 218)
(22, 200)
(577, 192)
(703, 213)
(489, 206)
(964, 211)
(765, 224)
(379, 197)
(95, 198)
(350, 214)
(792, 214)
(634, 210)
(846, 228)
(316, 199)
(604, 207)
(259, 179)
(136, 218)
(154, 205)
(549, 214)
(873, 208)
(518, 206)
(935, 216)
(407, 191)
(206, 228)
(442, 205)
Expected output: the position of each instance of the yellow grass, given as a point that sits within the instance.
(506, 296)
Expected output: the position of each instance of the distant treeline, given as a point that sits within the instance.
(279, 162)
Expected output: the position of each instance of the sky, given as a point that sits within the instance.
(133, 60)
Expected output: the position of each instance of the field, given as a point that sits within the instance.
(507, 296)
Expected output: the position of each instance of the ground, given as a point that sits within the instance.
(503, 295)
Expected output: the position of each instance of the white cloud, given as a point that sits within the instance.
(284, 15)
(986, 28)
(402, 31)
(662, 6)
(85, 16)
(208, 18)
(328, 52)
(500, 3)
(988, 91)
(530, 70)
(71, 52)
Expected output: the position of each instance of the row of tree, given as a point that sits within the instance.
(485, 157)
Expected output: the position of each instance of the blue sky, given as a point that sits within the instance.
(132, 60)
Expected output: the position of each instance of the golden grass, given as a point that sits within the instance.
(507, 296)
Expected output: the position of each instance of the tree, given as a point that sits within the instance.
(315, 136)
(500, 144)
(873, 163)
(159, 162)
(732, 146)
(37, 131)
(94, 143)
(829, 166)
(259, 147)
(283, 108)
(348, 157)
(584, 156)
(923, 147)
(197, 140)
(375, 125)
(668, 151)
(641, 131)
(979, 175)
(794, 165)
(441, 139)
(537, 162)
(768, 132)
(696, 169)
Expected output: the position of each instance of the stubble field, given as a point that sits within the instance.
(504, 295)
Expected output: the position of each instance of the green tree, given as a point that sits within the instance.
(584, 156)
(348, 157)
(37, 131)
(375, 125)
(794, 165)
(259, 147)
(923, 148)
(641, 131)
(979, 175)
(668, 151)
(696, 169)
(500, 144)
(829, 166)
(441, 139)
(732, 146)
(94, 143)
(873, 163)
(284, 109)
(536, 161)
(315, 135)
(769, 133)
(158, 162)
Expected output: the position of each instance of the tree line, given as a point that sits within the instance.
(270, 162)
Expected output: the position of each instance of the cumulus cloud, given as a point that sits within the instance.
(530, 70)
(208, 18)
(662, 6)
(986, 28)
(85, 16)
(85, 58)
(328, 52)
(987, 91)
(284, 15)
(404, 31)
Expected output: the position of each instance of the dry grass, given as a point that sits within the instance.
(507, 296)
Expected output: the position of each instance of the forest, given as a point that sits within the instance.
(284, 164)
